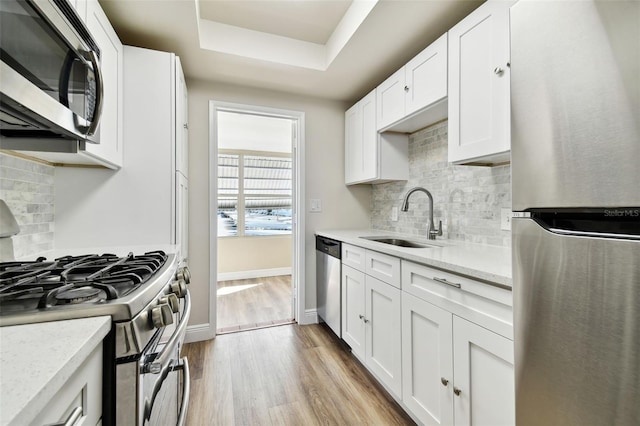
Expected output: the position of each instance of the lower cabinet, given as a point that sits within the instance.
(79, 402)
(371, 325)
(454, 371)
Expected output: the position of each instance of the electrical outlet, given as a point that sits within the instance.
(394, 213)
(505, 219)
(316, 205)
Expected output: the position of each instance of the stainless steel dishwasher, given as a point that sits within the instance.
(328, 278)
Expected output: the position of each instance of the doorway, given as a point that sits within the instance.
(255, 190)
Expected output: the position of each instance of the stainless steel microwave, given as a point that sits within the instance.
(50, 81)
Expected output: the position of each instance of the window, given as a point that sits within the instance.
(254, 194)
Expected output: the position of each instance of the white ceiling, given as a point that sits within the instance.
(308, 20)
(333, 49)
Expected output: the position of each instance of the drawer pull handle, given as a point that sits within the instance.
(449, 283)
(457, 391)
(444, 381)
(74, 417)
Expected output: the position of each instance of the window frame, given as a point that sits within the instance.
(242, 195)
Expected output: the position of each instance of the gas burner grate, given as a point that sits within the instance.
(77, 279)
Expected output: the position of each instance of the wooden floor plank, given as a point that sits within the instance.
(251, 303)
(286, 375)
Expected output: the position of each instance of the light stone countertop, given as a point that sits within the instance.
(36, 360)
(483, 262)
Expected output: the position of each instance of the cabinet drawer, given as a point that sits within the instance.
(481, 303)
(383, 267)
(83, 391)
(353, 256)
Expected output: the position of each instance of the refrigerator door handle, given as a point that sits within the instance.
(594, 234)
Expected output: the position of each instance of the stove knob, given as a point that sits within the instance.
(184, 274)
(161, 315)
(179, 288)
(172, 301)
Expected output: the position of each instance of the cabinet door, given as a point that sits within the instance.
(427, 361)
(383, 339)
(370, 149)
(352, 144)
(390, 99)
(353, 310)
(426, 76)
(109, 150)
(479, 83)
(483, 366)
(182, 126)
(182, 215)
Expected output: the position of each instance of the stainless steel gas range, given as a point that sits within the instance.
(145, 379)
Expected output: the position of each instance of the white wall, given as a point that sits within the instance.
(242, 254)
(342, 207)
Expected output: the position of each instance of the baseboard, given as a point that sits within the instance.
(310, 317)
(258, 273)
(199, 332)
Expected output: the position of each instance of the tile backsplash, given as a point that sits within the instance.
(467, 199)
(28, 189)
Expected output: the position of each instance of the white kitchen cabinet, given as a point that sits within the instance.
(483, 376)
(371, 157)
(80, 396)
(182, 216)
(144, 203)
(371, 318)
(383, 267)
(353, 310)
(420, 84)
(454, 371)
(109, 151)
(383, 339)
(182, 122)
(427, 361)
(479, 76)
(390, 99)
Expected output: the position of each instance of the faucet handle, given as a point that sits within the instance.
(437, 231)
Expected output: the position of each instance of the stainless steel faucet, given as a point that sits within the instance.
(432, 231)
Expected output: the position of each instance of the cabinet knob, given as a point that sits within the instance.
(406, 88)
(457, 391)
(444, 381)
(498, 71)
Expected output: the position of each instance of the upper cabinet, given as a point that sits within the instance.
(479, 75)
(371, 157)
(109, 151)
(415, 95)
(182, 125)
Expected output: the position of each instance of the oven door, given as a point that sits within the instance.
(165, 382)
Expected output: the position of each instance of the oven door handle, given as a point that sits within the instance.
(181, 365)
(186, 389)
(164, 357)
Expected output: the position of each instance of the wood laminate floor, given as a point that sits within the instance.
(286, 375)
(252, 303)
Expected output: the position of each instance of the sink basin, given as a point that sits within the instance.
(398, 242)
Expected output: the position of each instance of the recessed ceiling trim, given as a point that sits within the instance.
(233, 40)
(347, 27)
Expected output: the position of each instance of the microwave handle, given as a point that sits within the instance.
(97, 112)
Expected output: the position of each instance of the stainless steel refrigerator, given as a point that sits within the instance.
(575, 84)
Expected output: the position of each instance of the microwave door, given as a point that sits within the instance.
(48, 78)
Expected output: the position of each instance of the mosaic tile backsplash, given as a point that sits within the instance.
(467, 199)
(27, 188)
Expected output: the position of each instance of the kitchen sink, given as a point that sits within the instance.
(399, 242)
